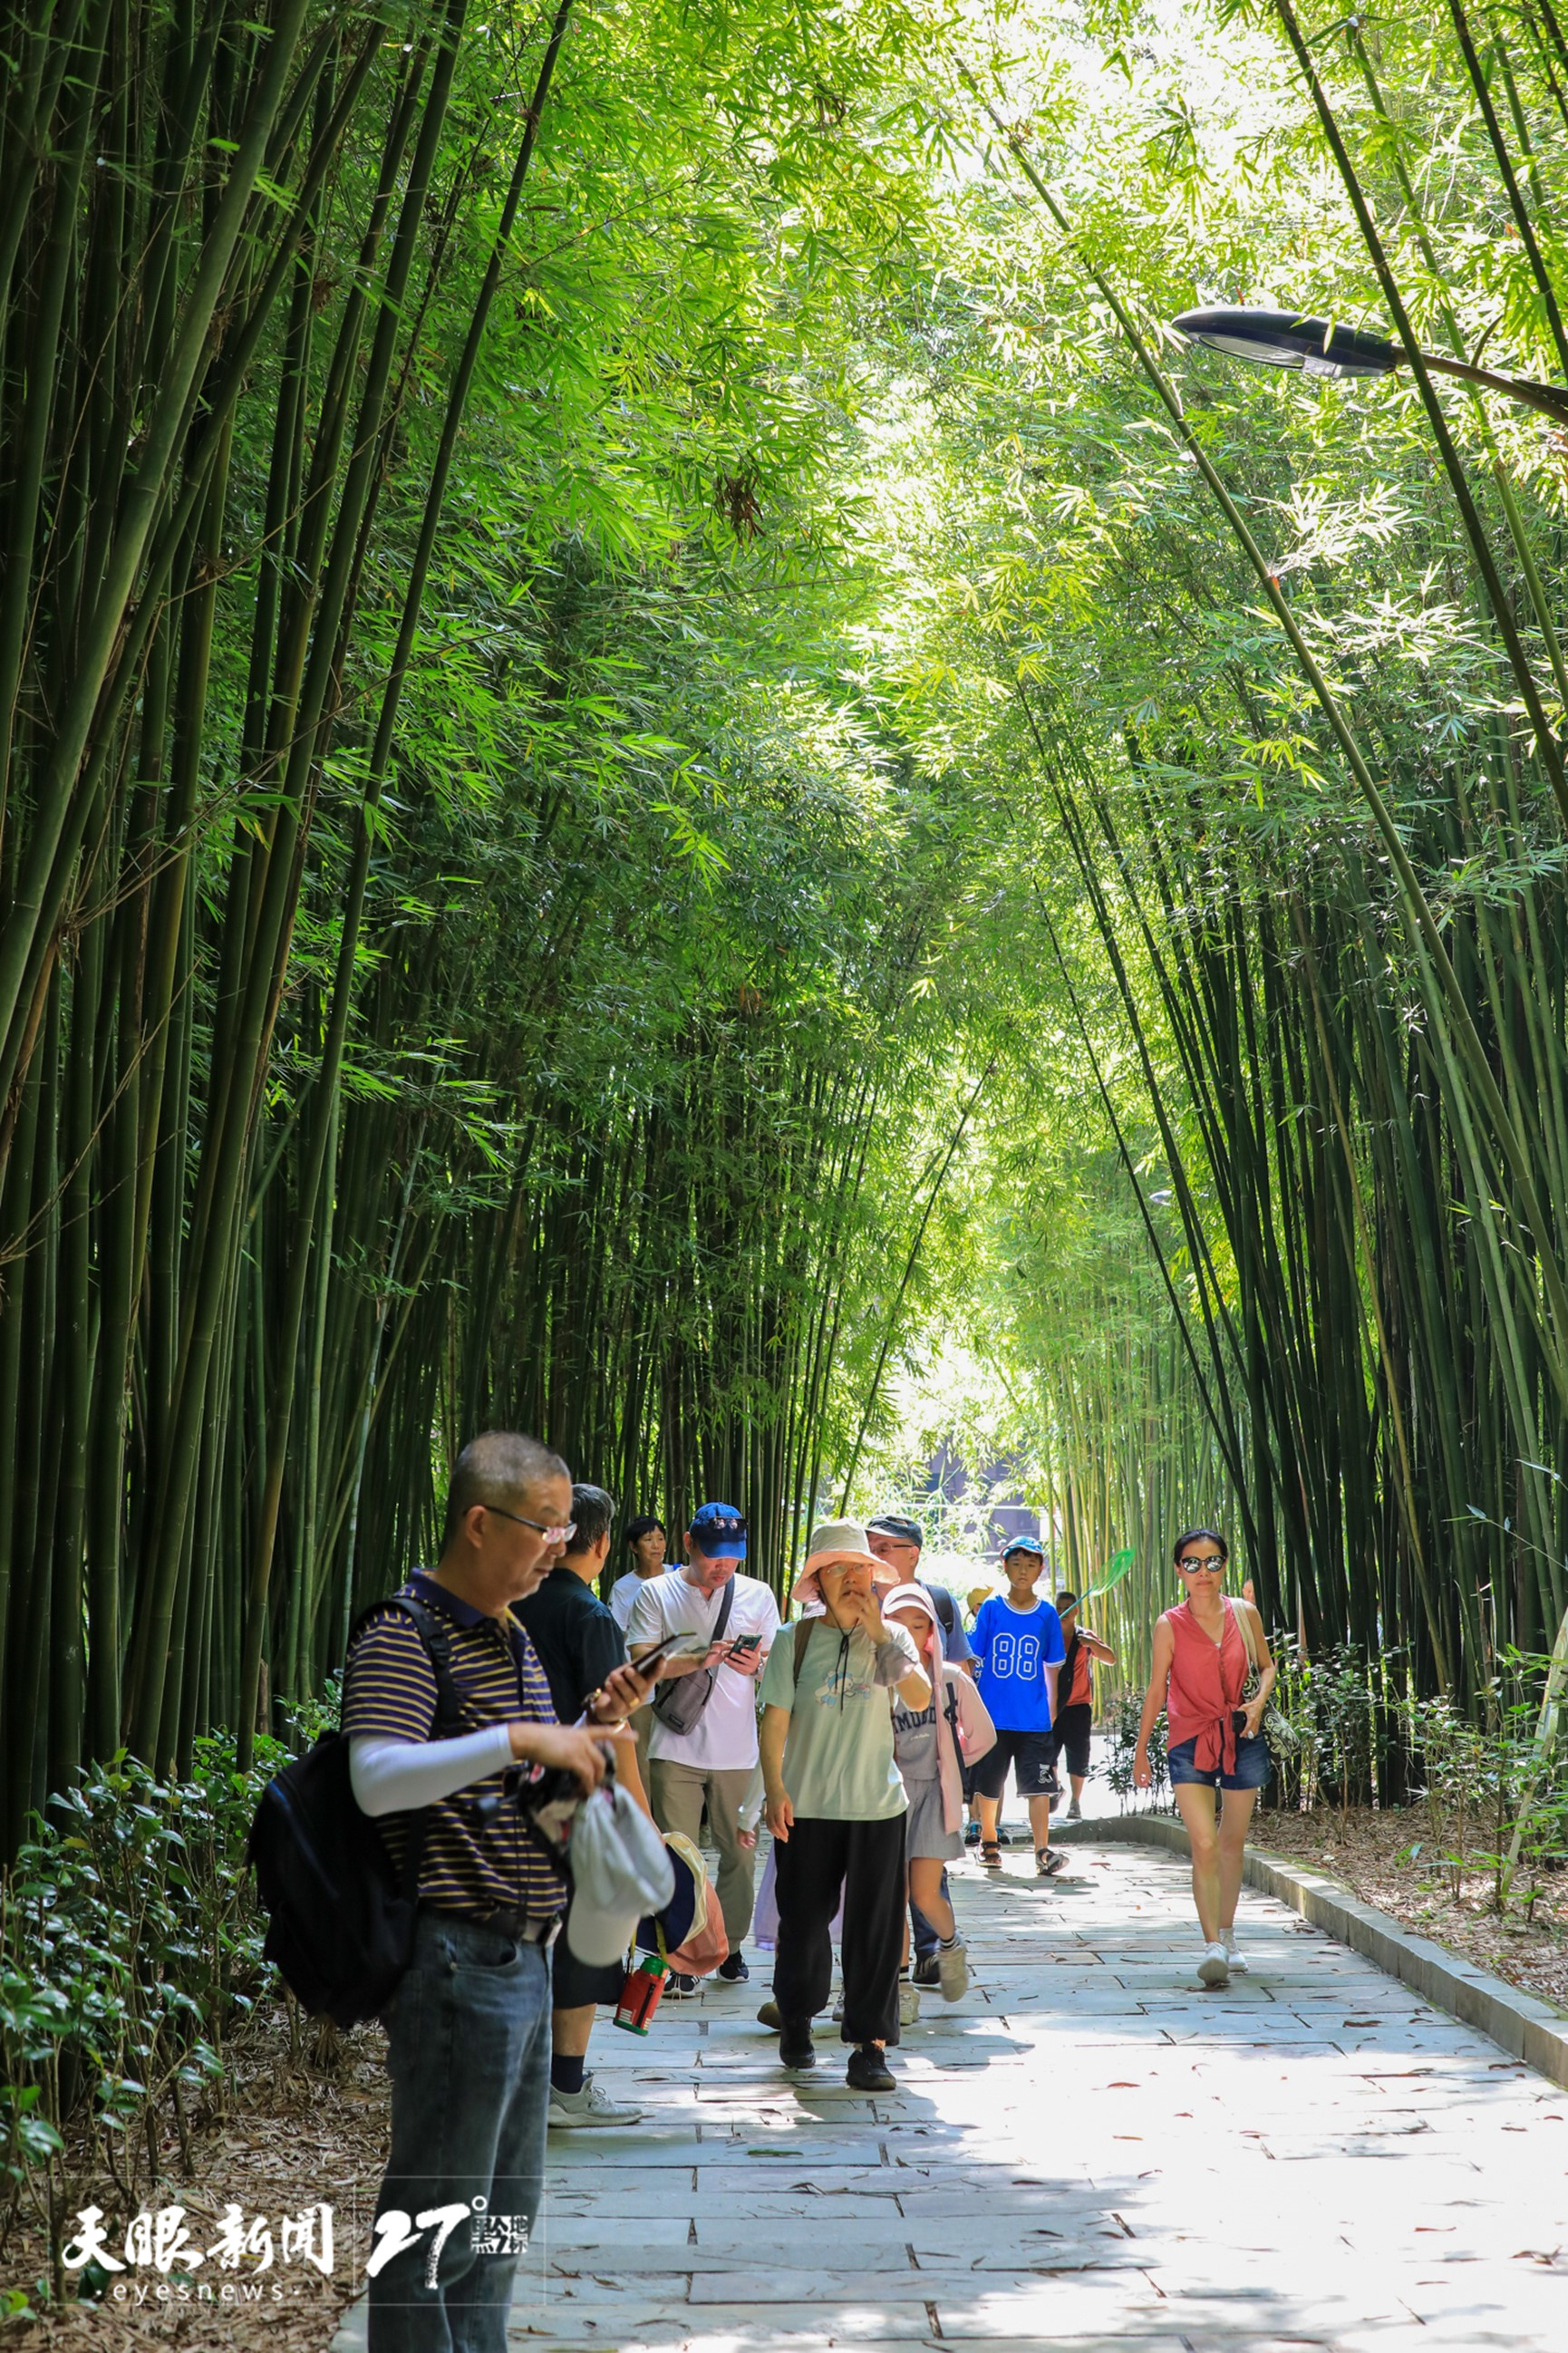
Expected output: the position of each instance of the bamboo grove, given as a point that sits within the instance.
(389, 1038)
(1286, 698)
(659, 755)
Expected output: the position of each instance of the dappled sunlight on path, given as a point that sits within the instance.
(1088, 2150)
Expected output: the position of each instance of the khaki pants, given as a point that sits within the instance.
(678, 1791)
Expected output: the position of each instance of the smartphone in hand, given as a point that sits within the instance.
(674, 1646)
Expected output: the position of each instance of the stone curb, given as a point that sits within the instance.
(1525, 2026)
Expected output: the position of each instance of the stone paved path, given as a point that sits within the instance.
(1087, 2151)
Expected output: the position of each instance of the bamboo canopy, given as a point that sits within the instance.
(659, 755)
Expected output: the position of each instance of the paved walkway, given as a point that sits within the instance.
(1087, 2151)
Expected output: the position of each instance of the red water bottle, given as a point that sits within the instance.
(641, 1993)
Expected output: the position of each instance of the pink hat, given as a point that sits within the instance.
(835, 1543)
(912, 1596)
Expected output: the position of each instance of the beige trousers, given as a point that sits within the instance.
(677, 1792)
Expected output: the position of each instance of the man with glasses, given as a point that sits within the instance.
(711, 1762)
(897, 1541)
(469, 2025)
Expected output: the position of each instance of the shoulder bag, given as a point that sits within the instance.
(1278, 1729)
(680, 1702)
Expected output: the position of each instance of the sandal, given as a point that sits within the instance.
(990, 1854)
(1048, 1862)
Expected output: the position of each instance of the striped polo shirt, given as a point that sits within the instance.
(389, 1693)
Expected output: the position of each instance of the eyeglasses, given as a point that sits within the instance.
(550, 1536)
(1200, 1560)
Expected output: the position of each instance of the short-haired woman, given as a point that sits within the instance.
(1214, 1742)
(646, 1539)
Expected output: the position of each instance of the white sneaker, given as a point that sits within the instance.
(589, 2106)
(839, 2011)
(952, 1970)
(1214, 1970)
(909, 2003)
(1236, 1956)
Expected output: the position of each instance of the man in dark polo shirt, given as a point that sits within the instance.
(468, 2027)
(580, 1646)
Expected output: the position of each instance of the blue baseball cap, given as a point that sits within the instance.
(718, 1531)
(1023, 1543)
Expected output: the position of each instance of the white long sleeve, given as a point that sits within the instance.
(389, 1777)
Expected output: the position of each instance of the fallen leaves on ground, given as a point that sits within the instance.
(1371, 1852)
(294, 2133)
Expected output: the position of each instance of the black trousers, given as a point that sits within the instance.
(865, 1861)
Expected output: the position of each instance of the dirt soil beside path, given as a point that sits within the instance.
(294, 2134)
(1394, 1860)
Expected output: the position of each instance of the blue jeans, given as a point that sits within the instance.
(468, 2054)
(926, 1939)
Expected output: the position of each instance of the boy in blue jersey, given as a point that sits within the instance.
(1017, 1640)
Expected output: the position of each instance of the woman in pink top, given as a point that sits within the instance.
(1213, 1742)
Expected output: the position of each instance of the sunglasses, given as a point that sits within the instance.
(1194, 1560)
(550, 1536)
(717, 1528)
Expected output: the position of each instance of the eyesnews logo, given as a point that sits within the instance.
(160, 2241)
(184, 2291)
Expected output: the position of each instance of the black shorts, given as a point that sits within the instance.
(1028, 1753)
(1069, 1736)
(574, 1983)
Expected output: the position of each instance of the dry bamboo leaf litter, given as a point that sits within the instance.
(293, 2135)
(1391, 1859)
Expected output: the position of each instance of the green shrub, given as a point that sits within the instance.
(131, 1960)
(1121, 1743)
(1492, 1801)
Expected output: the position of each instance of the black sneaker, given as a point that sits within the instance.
(868, 2070)
(677, 1984)
(796, 2049)
(734, 1969)
(925, 1970)
(972, 1834)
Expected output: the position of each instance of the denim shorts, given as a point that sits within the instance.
(1252, 1766)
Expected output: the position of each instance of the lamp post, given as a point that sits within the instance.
(1286, 339)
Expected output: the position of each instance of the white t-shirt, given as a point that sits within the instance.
(623, 1593)
(725, 1738)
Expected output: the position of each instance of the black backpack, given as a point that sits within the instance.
(1069, 1662)
(341, 1919)
(946, 1609)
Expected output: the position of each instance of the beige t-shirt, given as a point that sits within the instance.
(839, 1756)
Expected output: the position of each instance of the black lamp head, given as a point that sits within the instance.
(1289, 339)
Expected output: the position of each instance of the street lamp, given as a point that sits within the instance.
(1285, 338)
